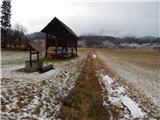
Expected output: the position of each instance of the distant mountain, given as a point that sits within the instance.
(108, 41)
(98, 41)
(115, 42)
(36, 35)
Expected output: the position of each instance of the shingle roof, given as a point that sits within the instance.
(37, 48)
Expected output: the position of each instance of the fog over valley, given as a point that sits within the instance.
(118, 19)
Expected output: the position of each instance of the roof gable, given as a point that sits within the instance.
(58, 28)
(37, 48)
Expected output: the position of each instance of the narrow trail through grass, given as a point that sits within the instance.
(85, 100)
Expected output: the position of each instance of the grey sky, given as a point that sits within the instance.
(122, 18)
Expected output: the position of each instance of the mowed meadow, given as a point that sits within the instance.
(141, 67)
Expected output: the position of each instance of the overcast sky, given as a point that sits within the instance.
(124, 18)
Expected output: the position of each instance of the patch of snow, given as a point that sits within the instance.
(116, 96)
(10, 72)
(36, 100)
(115, 100)
(135, 111)
(120, 90)
(132, 106)
(41, 93)
(106, 78)
(144, 79)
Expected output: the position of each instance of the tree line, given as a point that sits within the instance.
(11, 37)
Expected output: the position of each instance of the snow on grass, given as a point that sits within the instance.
(117, 97)
(34, 95)
(132, 106)
(139, 68)
(9, 71)
(107, 79)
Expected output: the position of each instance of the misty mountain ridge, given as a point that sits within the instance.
(108, 41)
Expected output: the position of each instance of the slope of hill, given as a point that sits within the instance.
(36, 35)
(109, 41)
(113, 42)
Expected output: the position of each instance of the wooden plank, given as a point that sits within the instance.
(46, 68)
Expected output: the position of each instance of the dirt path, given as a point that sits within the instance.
(85, 100)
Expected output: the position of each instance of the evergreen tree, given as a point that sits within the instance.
(6, 14)
(5, 20)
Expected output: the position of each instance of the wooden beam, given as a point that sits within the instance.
(76, 47)
(46, 45)
(56, 46)
(72, 49)
(30, 57)
(37, 56)
(62, 50)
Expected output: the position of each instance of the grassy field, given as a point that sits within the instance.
(137, 71)
(139, 67)
(9, 57)
(143, 58)
(32, 95)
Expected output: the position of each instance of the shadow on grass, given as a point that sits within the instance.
(58, 59)
(26, 70)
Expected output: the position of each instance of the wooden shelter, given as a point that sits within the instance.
(61, 38)
(34, 64)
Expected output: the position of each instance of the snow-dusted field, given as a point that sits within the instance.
(34, 95)
(117, 97)
(140, 69)
(121, 97)
(134, 91)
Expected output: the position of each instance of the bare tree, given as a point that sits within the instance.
(20, 33)
(20, 28)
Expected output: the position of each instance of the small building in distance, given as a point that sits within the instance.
(61, 38)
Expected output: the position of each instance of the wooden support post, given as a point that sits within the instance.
(37, 56)
(56, 46)
(30, 57)
(56, 51)
(62, 51)
(67, 46)
(76, 51)
(67, 49)
(76, 48)
(46, 45)
(46, 53)
(72, 50)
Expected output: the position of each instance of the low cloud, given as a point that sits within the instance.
(100, 18)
